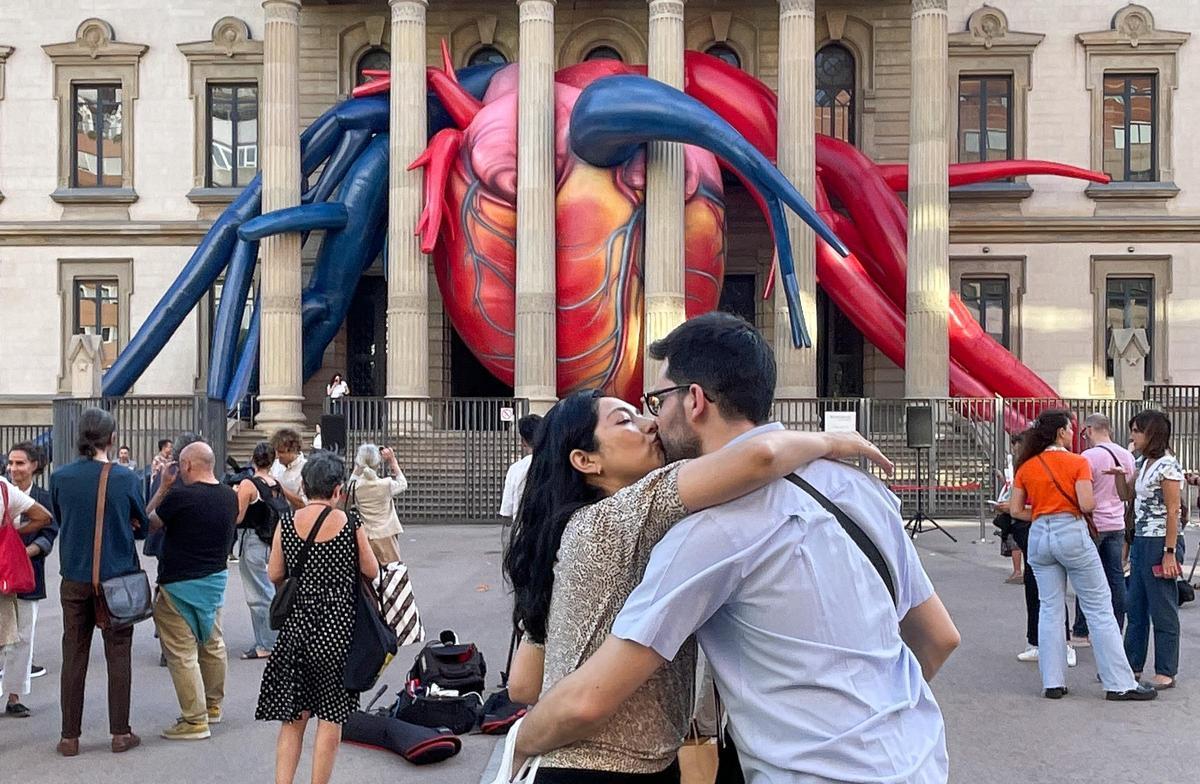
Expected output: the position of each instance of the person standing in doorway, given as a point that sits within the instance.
(198, 515)
(1112, 470)
(289, 466)
(260, 505)
(74, 491)
(28, 507)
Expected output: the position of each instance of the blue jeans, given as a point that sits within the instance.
(1110, 547)
(1060, 548)
(259, 589)
(1152, 600)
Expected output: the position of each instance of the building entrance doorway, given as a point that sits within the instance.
(839, 351)
(366, 338)
(468, 377)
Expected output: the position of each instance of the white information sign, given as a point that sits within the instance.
(841, 421)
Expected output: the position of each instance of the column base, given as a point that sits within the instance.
(278, 411)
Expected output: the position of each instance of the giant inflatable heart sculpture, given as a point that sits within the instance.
(605, 113)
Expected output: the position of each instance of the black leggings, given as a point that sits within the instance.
(1033, 605)
(577, 776)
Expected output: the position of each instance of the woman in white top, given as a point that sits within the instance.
(337, 388)
(372, 494)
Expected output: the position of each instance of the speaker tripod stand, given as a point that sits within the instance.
(920, 522)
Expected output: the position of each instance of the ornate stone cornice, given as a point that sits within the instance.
(987, 28)
(1132, 30)
(230, 42)
(95, 43)
(923, 6)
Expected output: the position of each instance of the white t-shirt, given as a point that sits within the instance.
(18, 502)
(289, 476)
(338, 390)
(514, 487)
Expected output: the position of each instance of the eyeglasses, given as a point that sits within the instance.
(654, 400)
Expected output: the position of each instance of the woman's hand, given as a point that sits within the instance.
(849, 445)
(1171, 569)
(1114, 471)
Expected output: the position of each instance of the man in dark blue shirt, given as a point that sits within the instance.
(73, 493)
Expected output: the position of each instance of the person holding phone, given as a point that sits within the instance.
(1156, 554)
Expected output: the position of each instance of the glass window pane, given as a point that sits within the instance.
(968, 120)
(726, 53)
(377, 59)
(987, 300)
(487, 55)
(1141, 129)
(1129, 304)
(997, 119)
(603, 53)
(835, 83)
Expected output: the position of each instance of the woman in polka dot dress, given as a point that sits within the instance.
(304, 674)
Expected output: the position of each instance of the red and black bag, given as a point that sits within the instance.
(450, 666)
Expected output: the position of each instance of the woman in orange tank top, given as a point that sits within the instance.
(1057, 486)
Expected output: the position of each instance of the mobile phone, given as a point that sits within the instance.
(1156, 570)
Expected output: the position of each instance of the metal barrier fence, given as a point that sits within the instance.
(11, 435)
(957, 474)
(454, 452)
(1182, 405)
(141, 422)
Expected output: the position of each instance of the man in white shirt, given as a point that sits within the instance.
(822, 667)
(514, 480)
(289, 466)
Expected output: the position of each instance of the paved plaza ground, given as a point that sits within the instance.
(1000, 730)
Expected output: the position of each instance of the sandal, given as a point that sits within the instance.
(252, 653)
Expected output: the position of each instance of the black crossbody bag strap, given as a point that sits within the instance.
(854, 531)
(302, 558)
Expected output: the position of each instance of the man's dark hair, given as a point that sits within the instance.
(528, 426)
(96, 428)
(33, 453)
(728, 358)
(322, 473)
(185, 440)
(163, 442)
(126, 447)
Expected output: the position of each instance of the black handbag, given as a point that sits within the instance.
(124, 600)
(460, 714)
(285, 594)
(372, 641)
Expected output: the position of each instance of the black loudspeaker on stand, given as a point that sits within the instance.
(919, 430)
(333, 433)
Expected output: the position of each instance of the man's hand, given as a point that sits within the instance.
(169, 475)
(852, 445)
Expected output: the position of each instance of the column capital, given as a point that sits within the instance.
(921, 6)
(537, 2)
(273, 8)
(797, 7)
(403, 3)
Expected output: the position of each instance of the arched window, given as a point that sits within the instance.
(603, 53)
(725, 52)
(374, 59)
(487, 55)
(835, 92)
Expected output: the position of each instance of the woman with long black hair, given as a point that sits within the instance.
(597, 500)
(1058, 487)
(1156, 553)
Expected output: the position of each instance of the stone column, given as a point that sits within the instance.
(536, 341)
(664, 245)
(797, 367)
(407, 267)
(279, 349)
(927, 345)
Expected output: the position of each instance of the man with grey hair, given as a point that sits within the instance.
(199, 514)
(1108, 460)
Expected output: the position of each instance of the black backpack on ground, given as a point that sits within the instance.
(264, 517)
(450, 665)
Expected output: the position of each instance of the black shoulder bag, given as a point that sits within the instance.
(285, 595)
(854, 531)
(372, 641)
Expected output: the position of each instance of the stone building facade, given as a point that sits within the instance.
(101, 205)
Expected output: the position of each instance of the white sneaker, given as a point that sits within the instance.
(1030, 654)
(1071, 658)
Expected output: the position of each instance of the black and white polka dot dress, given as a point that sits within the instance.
(304, 672)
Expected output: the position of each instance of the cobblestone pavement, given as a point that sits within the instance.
(999, 728)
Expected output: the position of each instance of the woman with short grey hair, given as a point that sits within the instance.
(371, 495)
(304, 674)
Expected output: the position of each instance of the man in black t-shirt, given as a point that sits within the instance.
(199, 514)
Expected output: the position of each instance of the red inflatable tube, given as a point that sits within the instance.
(896, 174)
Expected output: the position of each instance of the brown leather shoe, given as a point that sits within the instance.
(122, 743)
(68, 747)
